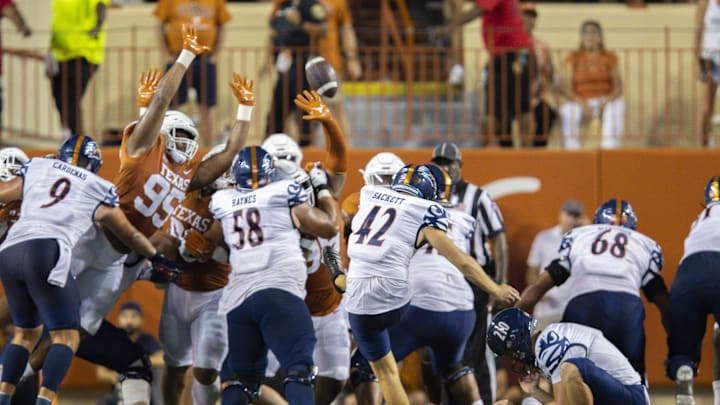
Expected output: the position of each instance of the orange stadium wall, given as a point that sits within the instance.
(664, 186)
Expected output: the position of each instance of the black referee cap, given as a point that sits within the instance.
(447, 150)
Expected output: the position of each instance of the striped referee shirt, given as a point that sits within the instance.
(476, 202)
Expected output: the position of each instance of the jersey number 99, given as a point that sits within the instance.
(161, 195)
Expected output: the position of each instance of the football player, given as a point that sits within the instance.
(192, 333)
(693, 295)
(441, 313)
(582, 365)
(389, 226)
(62, 199)
(263, 299)
(11, 159)
(607, 264)
(332, 351)
(157, 167)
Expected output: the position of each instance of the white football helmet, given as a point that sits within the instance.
(286, 169)
(179, 148)
(11, 159)
(226, 180)
(380, 170)
(281, 146)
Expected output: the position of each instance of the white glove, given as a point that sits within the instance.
(319, 179)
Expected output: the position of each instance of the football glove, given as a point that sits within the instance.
(332, 261)
(161, 270)
(196, 247)
(319, 178)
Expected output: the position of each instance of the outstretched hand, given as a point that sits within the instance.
(313, 105)
(243, 89)
(190, 40)
(147, 86)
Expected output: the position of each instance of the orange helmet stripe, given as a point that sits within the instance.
(618, 211)
(716, 188)
(254, 168)
(448, 185)
(76, 151)
(409, 174)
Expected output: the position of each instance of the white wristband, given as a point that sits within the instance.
(244, 112)
(143, 110)
(324, 194)
(185, 58)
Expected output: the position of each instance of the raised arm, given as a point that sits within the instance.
(335, 145)
(209, 170)
(11, 191)
(147, 129)
(468, 266)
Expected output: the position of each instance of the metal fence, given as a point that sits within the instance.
(403, 99)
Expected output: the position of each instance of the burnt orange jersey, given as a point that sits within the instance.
(9, 214)
(150, 186)
(321, 298)
(194, 213)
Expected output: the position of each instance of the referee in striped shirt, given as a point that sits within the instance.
(489, 231)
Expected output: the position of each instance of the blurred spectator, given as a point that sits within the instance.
(543, 100)
(130, 319)
(511, 71)
(77, 48)
(295, 26)
(544, 249)
(9, 10)
(593, 85)
(340, 31)
(208, 17)
(707, 46)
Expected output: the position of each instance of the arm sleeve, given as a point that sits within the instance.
(489, 215)
(162, 10)
(336, 148)
(565, 250)
(654, 265)
(111, 197)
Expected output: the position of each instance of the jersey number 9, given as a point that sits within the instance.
(58, 192)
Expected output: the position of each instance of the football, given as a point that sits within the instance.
(321, 76)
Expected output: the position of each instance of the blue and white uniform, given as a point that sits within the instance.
(608, 266)
(603, 367)
(441, 313)
(263, 300)
(693, 295)
(383, 240)
(58, 207)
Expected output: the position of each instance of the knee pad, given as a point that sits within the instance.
(455, 376)
(305, 377)
(360, 370)
(250, 389)
(674, 363)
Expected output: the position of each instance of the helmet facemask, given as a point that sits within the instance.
(10, 164)
(181, 145)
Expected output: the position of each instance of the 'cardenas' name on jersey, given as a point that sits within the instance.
(174, 178)
(379, 196)
(70, 169)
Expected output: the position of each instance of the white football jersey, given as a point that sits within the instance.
(263, 241)
(59, 202)
(437, 285)
(609, 258)
(384, 233)
(560, 342)
(704, 233)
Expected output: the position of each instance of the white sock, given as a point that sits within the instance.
(135, 390)
(716, 392)
(205, 394)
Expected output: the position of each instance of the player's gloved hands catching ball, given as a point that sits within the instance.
(312, 104)
(190, 40)
(196, 247)
(505, 294)
(163, 270)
